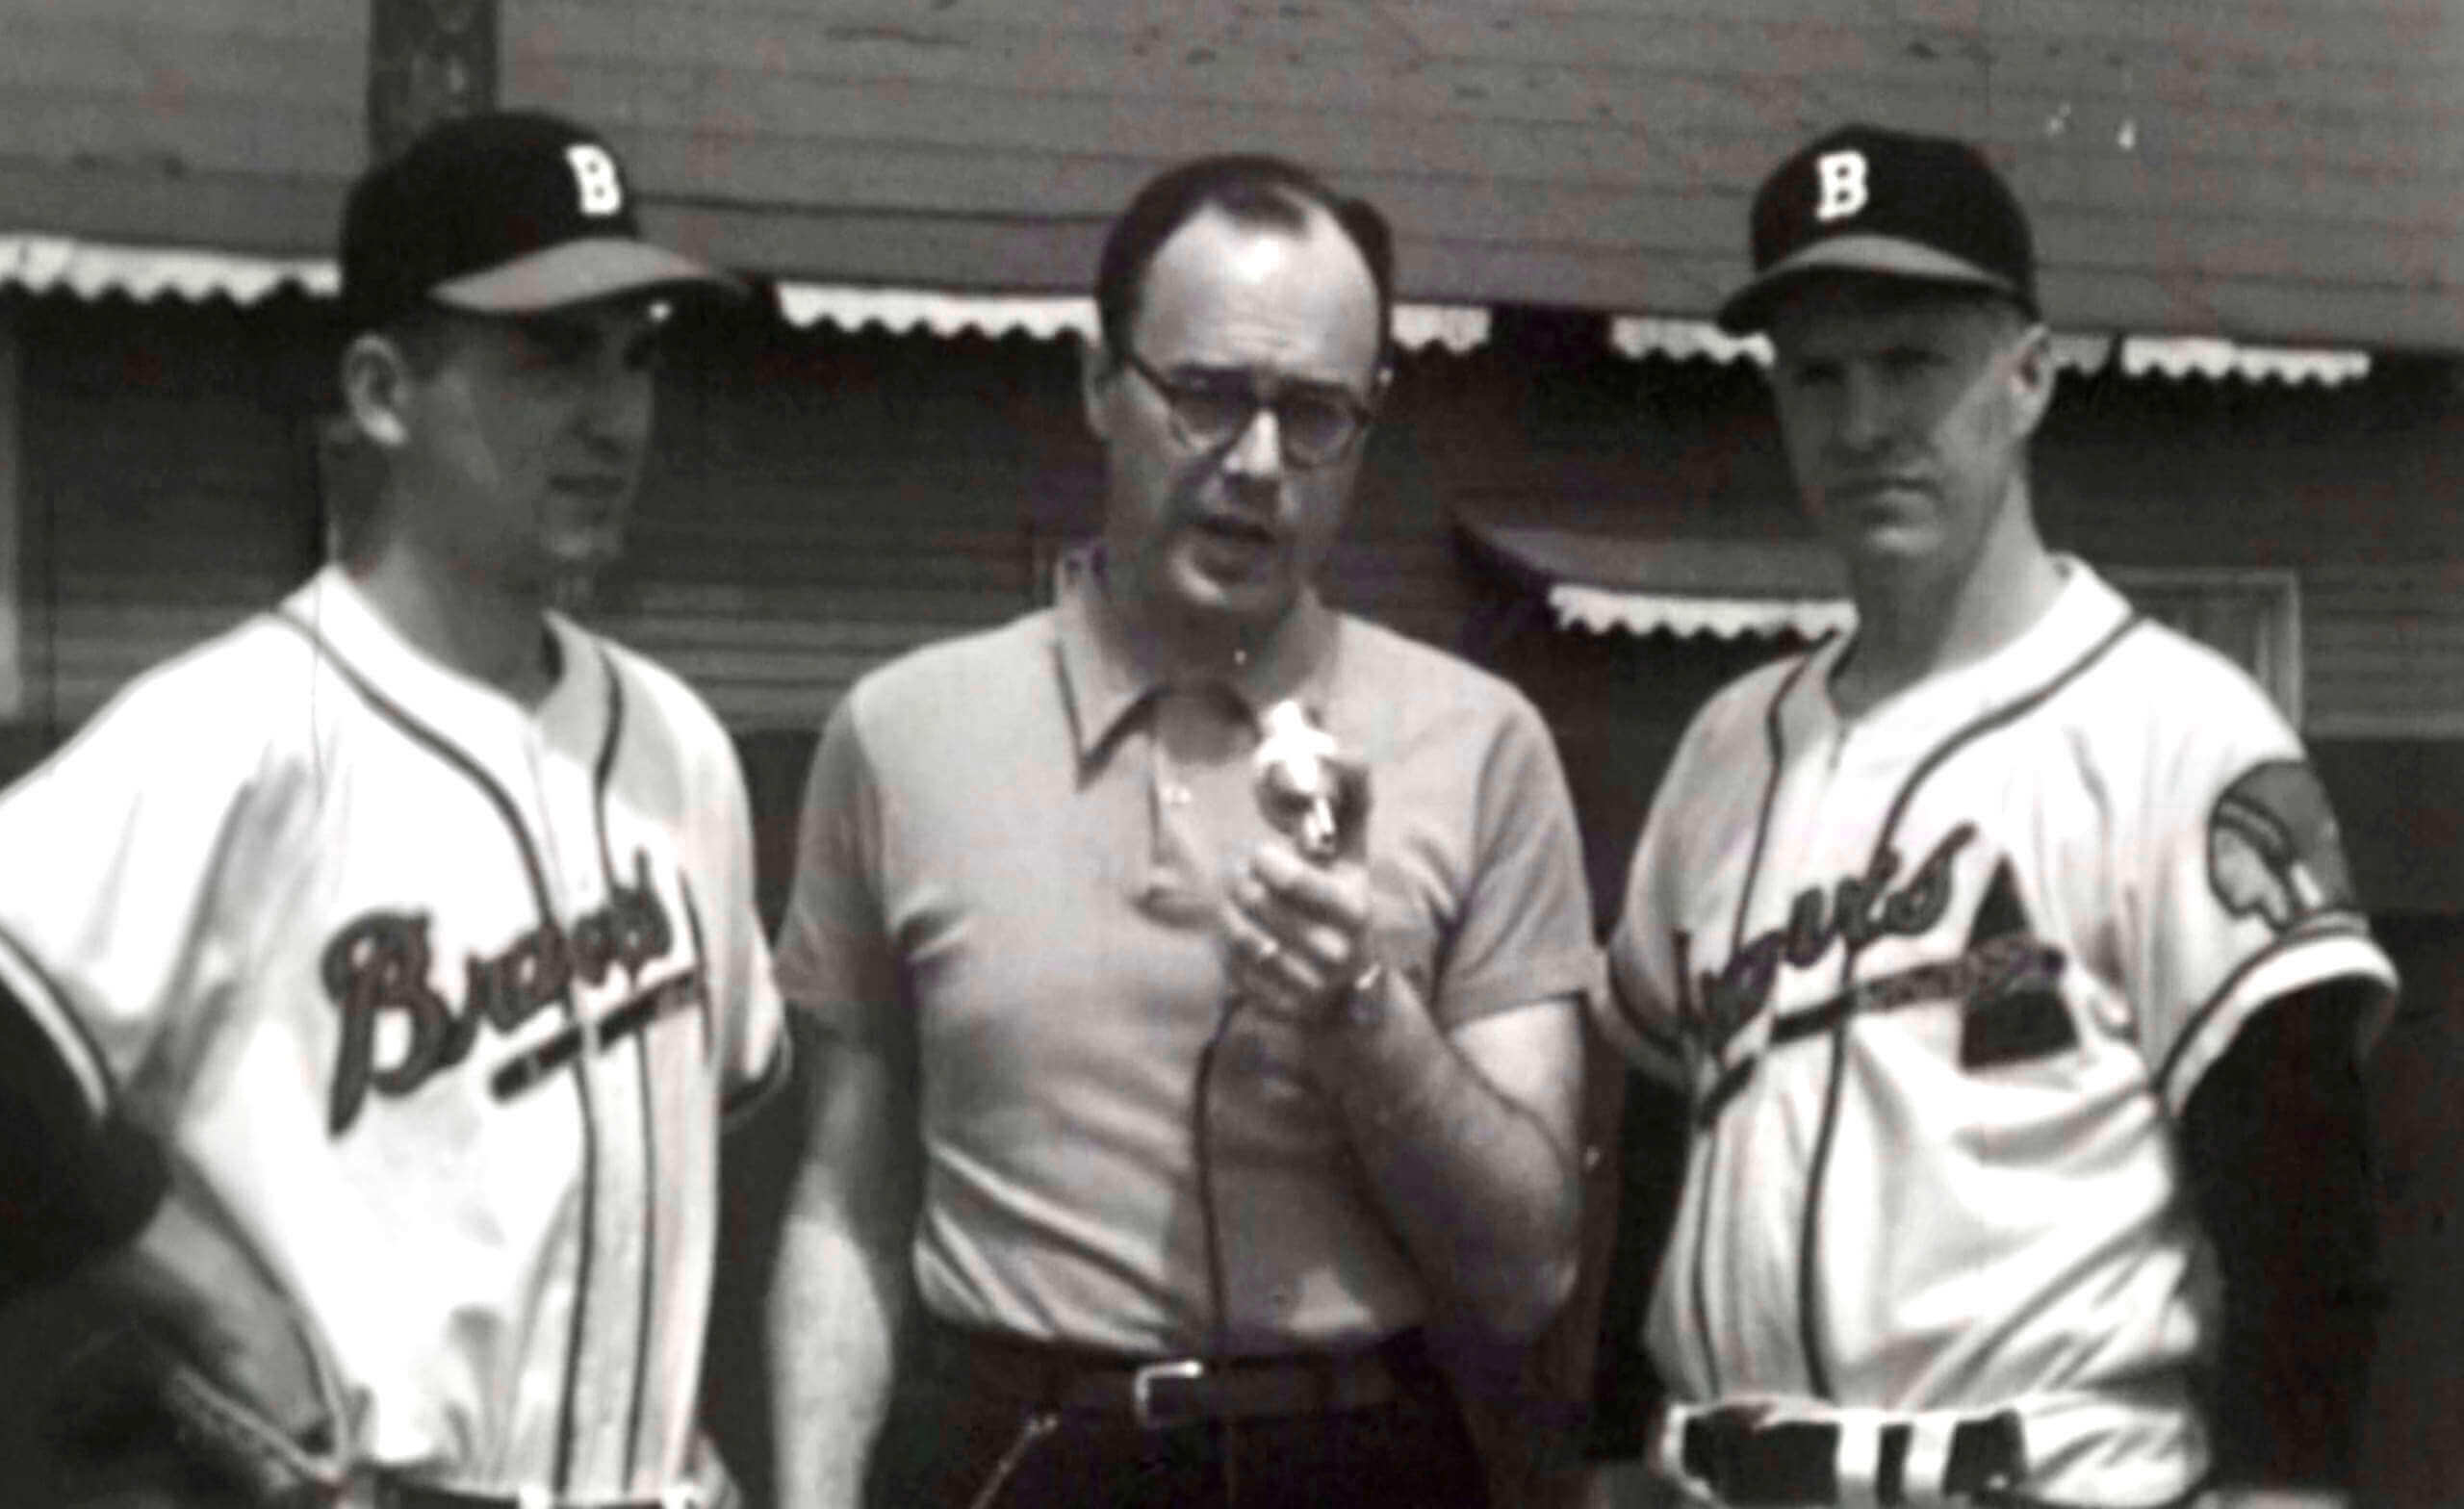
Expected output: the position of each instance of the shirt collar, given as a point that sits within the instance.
(1107, 670)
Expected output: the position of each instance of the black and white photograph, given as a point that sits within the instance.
(1251, 755)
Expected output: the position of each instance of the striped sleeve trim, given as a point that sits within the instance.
(26, 989)
(2336, 944)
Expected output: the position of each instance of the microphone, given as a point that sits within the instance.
(1307, 787)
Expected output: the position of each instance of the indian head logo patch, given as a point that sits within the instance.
(2273, 849)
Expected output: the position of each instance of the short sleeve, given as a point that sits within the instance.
(834, 956)
(2244, 895)
(111, 933)
(1525, 933)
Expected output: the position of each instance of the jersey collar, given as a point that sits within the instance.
(1106, 673)
(2080, 616)
(332, 603)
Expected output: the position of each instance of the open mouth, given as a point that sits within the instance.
(1234, 531)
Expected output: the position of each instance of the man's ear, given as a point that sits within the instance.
(376, 380)
(2031, 378)
(1097, 371)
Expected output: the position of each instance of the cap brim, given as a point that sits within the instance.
(580, 272)
(1748, 310)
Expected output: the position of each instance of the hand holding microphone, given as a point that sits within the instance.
(1299, 914)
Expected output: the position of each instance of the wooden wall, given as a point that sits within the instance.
(223, 123)
(821, 502)
(2289, 170)
(824, 500)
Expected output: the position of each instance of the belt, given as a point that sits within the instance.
(396, 1494)
(1793, 1462)
(1161, 1393)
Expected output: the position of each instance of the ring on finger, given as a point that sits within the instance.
(1268, 951)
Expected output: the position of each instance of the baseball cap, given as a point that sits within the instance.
(505, 213)
(1867, 199)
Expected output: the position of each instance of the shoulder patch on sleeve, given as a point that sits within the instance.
(2273, 849)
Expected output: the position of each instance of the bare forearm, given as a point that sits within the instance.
(1488, 1201)
(840, 1288)
(835, 1312)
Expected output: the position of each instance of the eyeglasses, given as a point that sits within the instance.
(1313, 423)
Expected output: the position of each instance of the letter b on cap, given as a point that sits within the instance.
(594, 178)
(1841, 178)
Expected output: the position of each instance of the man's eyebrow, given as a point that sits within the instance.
(1248, 377)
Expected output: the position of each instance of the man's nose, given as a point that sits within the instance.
(618, 410)
(1864, 413)
(1257, 451)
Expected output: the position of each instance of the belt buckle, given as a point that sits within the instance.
(1141, 1388)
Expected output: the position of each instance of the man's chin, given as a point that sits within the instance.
(573, 576)
(1244, 602)
(571, 592)
(1886, 545)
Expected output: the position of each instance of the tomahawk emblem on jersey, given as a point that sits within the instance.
(2004, 979)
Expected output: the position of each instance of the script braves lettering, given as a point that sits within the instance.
(1861, 909)
(378, 964)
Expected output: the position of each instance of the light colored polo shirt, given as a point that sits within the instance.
(1021, 838)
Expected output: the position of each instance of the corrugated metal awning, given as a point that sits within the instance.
(94, 269)
(1607, 584)
(1606, 610)
(2170, 356)
(1453, 327)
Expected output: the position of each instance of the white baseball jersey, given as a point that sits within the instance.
(433, 1001)
(1938, 978)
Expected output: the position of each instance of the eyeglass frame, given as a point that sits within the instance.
(1361, 412)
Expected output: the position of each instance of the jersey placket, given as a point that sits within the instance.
(1815, 837)
(605, 1355)
(1845, 812)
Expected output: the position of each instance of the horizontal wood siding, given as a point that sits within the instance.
(825, 501)
(2359, 491)
(2386, 648)
(2289, 173)
(204, 122)
(820, 503)
(168, 485)
(2293, 174)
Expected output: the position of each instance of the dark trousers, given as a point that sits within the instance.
(958, 1442)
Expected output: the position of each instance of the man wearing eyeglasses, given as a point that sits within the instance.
(1146, 1142)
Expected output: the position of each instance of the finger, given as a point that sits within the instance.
(1277, 974)
(1250, 947)
(1336, 895)
(1314, 948)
